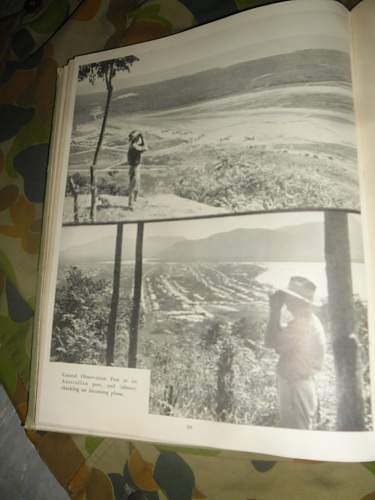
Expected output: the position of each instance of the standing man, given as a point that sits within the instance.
(300, 345)
(137, 146)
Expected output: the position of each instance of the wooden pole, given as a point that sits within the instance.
(111, 332)
(350, 407)
(74, 191)
(134, 321)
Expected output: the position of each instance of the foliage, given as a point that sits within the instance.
(225, 377)
(214, 374)
(80, 183)
(361, 322)
(105, 70)
(80, 318)
(212, 334)
(113, 185)
(251, 327)
(222, 372)
(260, 179)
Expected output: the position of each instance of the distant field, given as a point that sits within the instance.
(289, 146)
(268, 117)
(184, 295)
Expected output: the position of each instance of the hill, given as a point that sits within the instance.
(299, 67)
(299, 243)
(302, 243)
(103, 249)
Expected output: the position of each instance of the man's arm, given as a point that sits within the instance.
(277, 337)
(142, 146)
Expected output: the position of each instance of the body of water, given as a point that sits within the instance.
(279, 273)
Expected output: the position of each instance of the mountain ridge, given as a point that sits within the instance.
(298, 67)
(303, 242)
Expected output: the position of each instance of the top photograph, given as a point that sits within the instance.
(257, 118)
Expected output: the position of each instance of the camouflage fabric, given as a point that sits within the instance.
(33, 43)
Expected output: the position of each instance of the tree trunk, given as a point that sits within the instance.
(111, 332)
(74, 190)
(93, 194)
(134, 322)
(93, 188)
(350, 407)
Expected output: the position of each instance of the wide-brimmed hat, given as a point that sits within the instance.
(301, 288)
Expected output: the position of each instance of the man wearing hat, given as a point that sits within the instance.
(137, 146)
(300, 345)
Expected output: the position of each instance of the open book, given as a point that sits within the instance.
(207, 222)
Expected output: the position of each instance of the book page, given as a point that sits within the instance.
(363, 67)
(206, 282)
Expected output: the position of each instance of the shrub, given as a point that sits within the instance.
(80, 318)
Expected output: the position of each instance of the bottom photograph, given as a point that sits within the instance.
(248, 319)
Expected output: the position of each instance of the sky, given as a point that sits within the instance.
(281, 28)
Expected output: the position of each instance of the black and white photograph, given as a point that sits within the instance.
(249, 319)
(253, 123)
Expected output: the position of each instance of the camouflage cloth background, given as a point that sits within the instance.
(33, 43)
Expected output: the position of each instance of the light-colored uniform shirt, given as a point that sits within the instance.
(301, 346)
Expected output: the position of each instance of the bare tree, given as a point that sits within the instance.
(106, 71)
(350, 407)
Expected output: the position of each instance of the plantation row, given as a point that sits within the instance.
(192, 290)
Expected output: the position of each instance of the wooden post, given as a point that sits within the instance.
(134, 321)
(350, 407)
(111, 332)
(73, 188)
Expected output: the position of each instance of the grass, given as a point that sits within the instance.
(264, 179)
